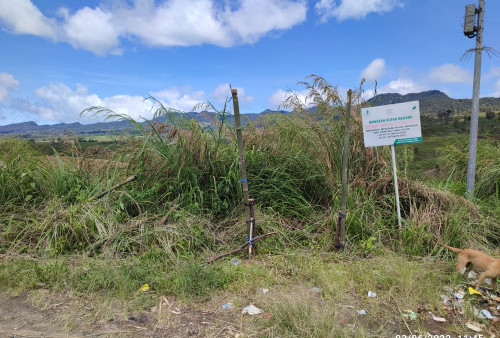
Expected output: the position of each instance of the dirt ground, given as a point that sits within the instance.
(19, 317)
(40, 314)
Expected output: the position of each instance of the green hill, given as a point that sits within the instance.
(435, 101)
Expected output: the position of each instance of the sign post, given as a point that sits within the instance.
(390, 125)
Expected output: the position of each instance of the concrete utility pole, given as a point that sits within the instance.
(471, 167)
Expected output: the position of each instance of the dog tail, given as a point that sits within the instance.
(450, 247)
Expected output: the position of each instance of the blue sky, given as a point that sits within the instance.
(60, 56)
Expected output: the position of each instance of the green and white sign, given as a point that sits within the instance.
(391, 124)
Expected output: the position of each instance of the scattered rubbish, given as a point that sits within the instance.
(478, 314)
(436, 318)
(487, 314)
(227, 306)
(372, 294)
(251, 310)
(473, 326)
(264, 290)
(235, 261)
(361, 312)
(447, 288)
(471, 275)
(144, 288)
(410, 314)
(459, 295)
(458, 304)
(315, 290)
(474, 292)
(445, 298)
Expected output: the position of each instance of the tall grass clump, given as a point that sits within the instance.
(455, 157)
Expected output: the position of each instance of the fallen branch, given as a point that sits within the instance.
(241, 248)
(104, 193)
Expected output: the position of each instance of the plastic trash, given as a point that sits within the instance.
(436, 318)
(227, 306)
(144, 288)
(235, 261)
(410, 314)
(445, 298)
(447, 288)
(459, 295)
(473, 326)
(474, 292)
(471, 275)
(478, 314)
(264, 290)
(251, 310)
(487, 314)
(361, 312)
(315, 290)
(372, 294)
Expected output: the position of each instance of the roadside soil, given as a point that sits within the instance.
(43, 314)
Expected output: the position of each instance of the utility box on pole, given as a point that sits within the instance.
(470, 21)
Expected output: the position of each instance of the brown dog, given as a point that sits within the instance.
(489, 266)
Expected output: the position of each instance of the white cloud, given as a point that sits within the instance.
(183, 99)
(92, 29)
(374, 70)
(7, 83)
(22, 17)
(58, 102)
(493, 73)
(449, 73)
(163, 23)
(355, 9)
(402, 86)
(278, 98)
(497, 89)
(223, 91)
(257, 17)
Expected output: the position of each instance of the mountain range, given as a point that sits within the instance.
(431, 102)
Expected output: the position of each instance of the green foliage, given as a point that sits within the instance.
(455, 157)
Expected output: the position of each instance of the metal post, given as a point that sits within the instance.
(244, 182)
(471, 167)
(340, 230)
(396, 188)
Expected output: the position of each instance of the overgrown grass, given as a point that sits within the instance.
(185, 205)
